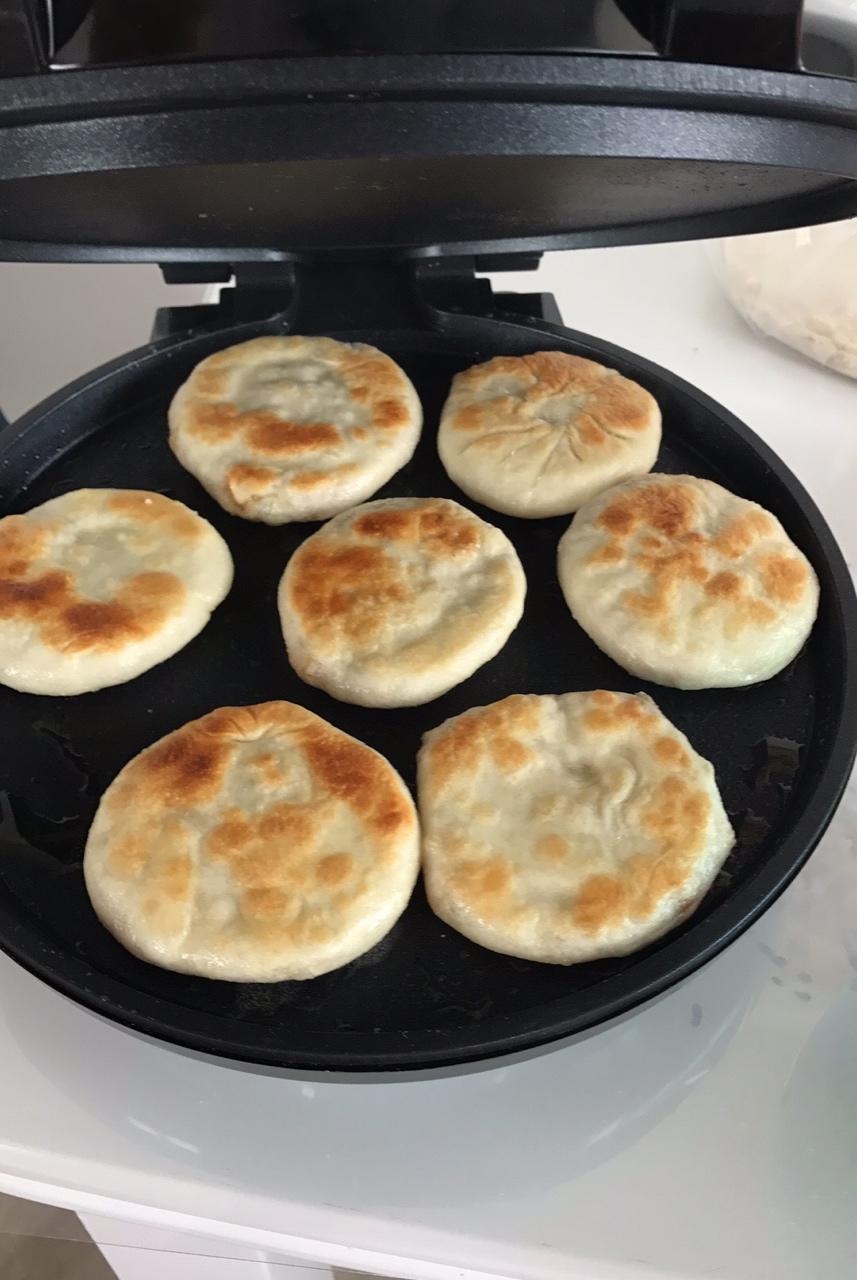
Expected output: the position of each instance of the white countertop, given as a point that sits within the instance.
(713, 1134)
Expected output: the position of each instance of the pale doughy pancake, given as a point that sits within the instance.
(99, 585)
(292, 428)
(539, 435)
(396, 601)
(255, 844)
(567, 827)
(682, 582)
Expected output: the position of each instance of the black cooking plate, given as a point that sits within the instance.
(425, 996)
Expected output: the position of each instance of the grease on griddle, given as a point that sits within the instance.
(775, 763)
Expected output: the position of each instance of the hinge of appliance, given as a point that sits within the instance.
(261, 290)
(452, 286)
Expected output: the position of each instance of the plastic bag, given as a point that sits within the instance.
(800, 287)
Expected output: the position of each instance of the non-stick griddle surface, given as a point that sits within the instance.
(425, 995)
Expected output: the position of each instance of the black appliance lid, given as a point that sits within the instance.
(229, 160)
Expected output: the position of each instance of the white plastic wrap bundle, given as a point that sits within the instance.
(799, 287)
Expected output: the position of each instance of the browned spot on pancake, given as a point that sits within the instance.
(373, 380)
(276, 437)
(736, 538)
(169, 876)
(371, 369)
(604, 698)
(553, 847)
(609, 553)
(268, 767)
(646, 606)
(509, 754)
(215, 423)
(471, 417)
(481, 883)
(275, 849)
(390, 414)
(459, 748)
(447, 530)
(600, 901)
(784, 578)
(668, 571)
(627, 711)
(232, 834)
(590, 432)
(263, 863)
(357, 776)
(677, 815)
(141, 608)
(556, 371)
(670, 751)
(435, 525)
(92, 624)
(726, 586)
(335, 868)
(360, 433)
(187, 768)
(749, 613)
(668, 508)
(550, 390)
(172, 878)
(246, 481)
(22, 541)
(312, 479)
(306, 930)
(37, 599)
(676, 554)
(761, 613)
(154, 508)
(127, 857)
(210, 380)
(249, 724)
(295, 822)
(71, 623)
(676, 821)
(344, 590)
(623, 404)
(264, 904)
(393, 523)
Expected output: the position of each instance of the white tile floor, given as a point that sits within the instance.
(41, 1243)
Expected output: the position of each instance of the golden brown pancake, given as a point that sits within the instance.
(294, 428)
(394, 602)
(569, 827)
(682, 582)
(99, 585)
(255, 844)
(539, 435)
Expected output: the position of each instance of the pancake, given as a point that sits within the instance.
(395, 602)
(539, 435)
(99, 585)
(681, 582)
(565, 828)
(253, 845)
(292, 428)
